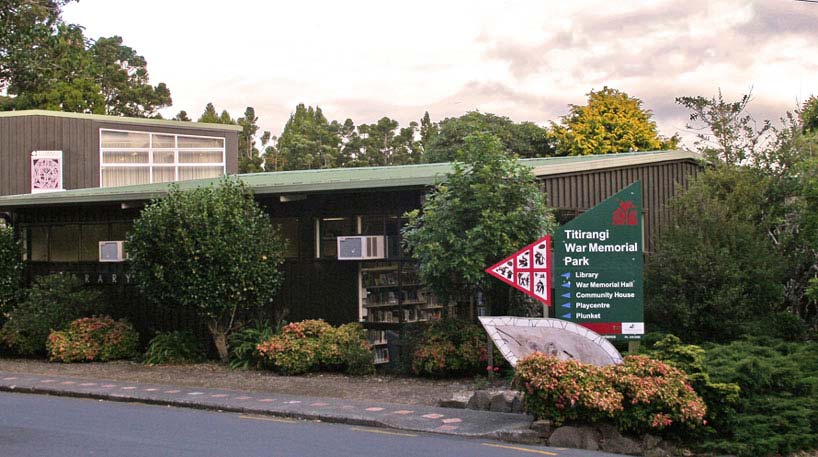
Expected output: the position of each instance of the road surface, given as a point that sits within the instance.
(41, 426)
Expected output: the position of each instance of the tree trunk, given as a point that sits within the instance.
(219, 340)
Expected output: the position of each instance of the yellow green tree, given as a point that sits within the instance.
(611, 122)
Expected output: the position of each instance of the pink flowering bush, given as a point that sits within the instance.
(93, 339)
(566, 390)
(314, 345)
(656, 395)
(639, 395)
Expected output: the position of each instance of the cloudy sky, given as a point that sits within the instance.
(527, 60)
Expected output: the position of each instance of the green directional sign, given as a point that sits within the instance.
(598, 267)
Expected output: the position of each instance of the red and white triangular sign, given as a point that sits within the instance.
(528, 270)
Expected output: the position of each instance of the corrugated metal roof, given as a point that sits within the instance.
(341, 179)
(123, 120)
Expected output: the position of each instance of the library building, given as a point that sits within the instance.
(72, 184)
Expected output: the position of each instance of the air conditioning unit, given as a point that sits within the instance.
(361, 247)
(111, 251)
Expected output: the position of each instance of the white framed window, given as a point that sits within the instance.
(130, 157)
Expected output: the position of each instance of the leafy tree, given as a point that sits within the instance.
(378, 144)
(442, 142)
(307, 141)
(65, 82)
(122, 76)
(11, 270)
(48, 64)
(26, 28)
(182, 116)
(715, 271)
(489, 206)
(726, 132)
(212, 117)
(428, 129)
(779, 162)
(270, 156)
(611, 122)
(210, 249)
(809, 115)
(249, 159)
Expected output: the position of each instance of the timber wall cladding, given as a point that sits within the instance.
(19, 136)
(79, 141)
(660, 182)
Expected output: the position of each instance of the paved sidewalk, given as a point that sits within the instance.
(419, 418)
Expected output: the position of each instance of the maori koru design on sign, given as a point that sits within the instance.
(528, 270)
(45, 174)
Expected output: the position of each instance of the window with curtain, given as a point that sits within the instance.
(128, 158)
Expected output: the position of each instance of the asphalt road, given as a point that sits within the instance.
(41, 426)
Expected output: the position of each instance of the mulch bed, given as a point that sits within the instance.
(387, 388)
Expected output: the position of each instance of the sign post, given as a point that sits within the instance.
(598, 267)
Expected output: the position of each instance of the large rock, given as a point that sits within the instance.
(649, 441)
(517, 404)
(503, 402)
(481, 400)
(575, 437)
(543, 427)
(459, 400)
(621, 445)
(613, 441)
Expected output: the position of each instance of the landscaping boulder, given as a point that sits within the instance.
(575, 437)
(544, 428)
(459, 400)
(503, 402)
(481, 400)
(621, 445)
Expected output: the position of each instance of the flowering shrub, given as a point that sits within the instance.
(314, 345)
(640, 395)
(566, 390)
(657, 396)
(450, 347)
(289, 353)
(93, 339)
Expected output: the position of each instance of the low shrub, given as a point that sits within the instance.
(777, 412)
(11, 271)
(244, 346)
(53, 302)
(657, 397)
(174, 348)
(566, 390)
(93, 339)
(639, 395)
(314, 345)
(450, 347)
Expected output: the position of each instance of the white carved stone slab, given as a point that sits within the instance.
(518, 337)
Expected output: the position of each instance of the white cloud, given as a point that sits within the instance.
(526, 60)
